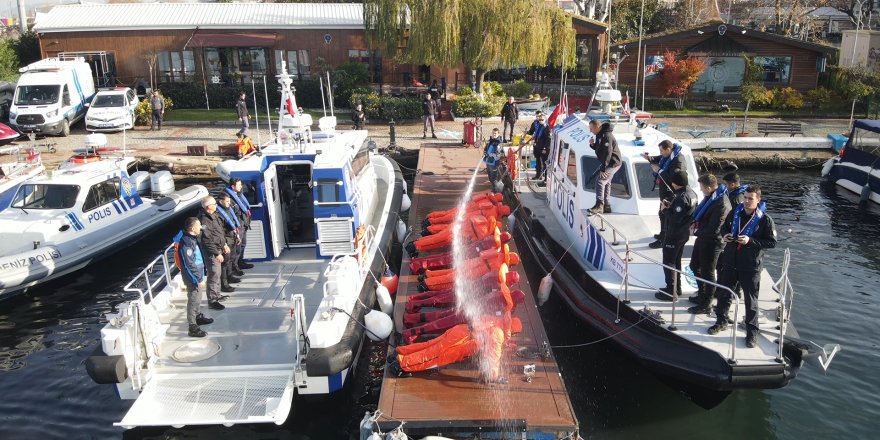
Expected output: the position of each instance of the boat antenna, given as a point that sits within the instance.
(268, 111)
(639, 60)
(330, 93)
(256, 113)
(323, 101)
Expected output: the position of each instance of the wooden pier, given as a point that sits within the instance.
(451, 401)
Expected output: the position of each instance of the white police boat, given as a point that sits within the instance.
(61, 223)
(26, 166)
(857, 168)
(323, 218)
(607, 275)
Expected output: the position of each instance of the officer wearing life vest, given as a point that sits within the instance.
(734, 190)
(678, 219)
(244, 213)
(492, 155)
(747, 232)
(708, 217)
(192, 272)
(664, 165)
(231, 229)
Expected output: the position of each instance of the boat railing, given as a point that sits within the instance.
(786, 299)
(148, 280)
(299, 326)
(628, 277)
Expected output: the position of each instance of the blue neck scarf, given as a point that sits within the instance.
(666, 161)
(539, 130)
(229, 215)
(708, 201)
(241, 200)
(739, 190)
(752, 223)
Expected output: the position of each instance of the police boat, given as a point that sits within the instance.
(61, 223)
(323, 217)
(857, 167)
(607, 275)
(26, 166)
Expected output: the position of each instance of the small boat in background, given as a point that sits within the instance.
(857, 168)
(533, 105)
(607, 103)
(8, 134)
(23, 168)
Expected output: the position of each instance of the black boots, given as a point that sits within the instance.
(606, 209)
(215, 305)
(243, 265)
(227, 288)
(203, 320)
(196, 332)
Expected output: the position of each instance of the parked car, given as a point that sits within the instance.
(112, 110)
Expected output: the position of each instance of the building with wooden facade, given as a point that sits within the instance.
(787, 62)
(233, 42)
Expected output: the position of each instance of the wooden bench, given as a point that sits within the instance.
(197, 150)
(791, 128)
(228, 150)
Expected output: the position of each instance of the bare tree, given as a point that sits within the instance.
(151, 57)
(593, 9)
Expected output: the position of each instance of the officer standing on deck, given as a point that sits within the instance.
(678, 218)
(664, 165)
(213, 250)
(708, 217)
(192, 272)
(244, 211)
(747, 232)
(231, 227)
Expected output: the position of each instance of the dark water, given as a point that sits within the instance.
(46, 335)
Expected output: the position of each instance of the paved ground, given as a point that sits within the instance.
(173, 139)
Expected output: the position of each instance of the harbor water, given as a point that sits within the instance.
(46, 334)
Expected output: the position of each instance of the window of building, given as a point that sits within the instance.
(232, 65)
(298, 64)
(101, 194)
(176, 66)
(585, 50)
(776, 69)
(619, 183)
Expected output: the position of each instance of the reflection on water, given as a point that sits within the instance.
(46, 335)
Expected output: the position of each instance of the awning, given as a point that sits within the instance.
(231, 40)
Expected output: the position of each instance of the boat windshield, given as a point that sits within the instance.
(866, 140)
(646, 181)
(117, 100)
(45, 196)
(37, 95)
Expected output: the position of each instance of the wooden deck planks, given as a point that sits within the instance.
(454, 394)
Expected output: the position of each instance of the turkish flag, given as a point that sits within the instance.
(290, 106)
(561, 109)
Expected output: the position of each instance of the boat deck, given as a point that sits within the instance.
(452, 400)
(647, 277)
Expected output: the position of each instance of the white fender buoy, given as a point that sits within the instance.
(866, 193)
(499, 186)
(826, 169)
(405, 203)
(544, 289)
(405, 187)
(511, 221)
(401, 231)
(383, 296)
(378, 324)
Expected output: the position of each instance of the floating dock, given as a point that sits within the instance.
(451, 401)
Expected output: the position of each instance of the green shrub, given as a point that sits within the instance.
(757, 94)
(464, 91)
(519, 89)
(369, 99)
(658, 104)
(144, 111)
(787, 99)
(819, 98)
(192, 94)
(347, 78)
(392, 107)
(492, 88)
(472, 106)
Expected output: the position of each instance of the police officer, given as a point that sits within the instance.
(747, 232)
(244, 212)
(608, 154)
(214, 250)
(708, 217)
(231, 227)
(664, 166)
(678, 218)
(192, 271)
(734, 190)
(541, 134)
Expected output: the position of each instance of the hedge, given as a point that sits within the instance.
(192, 94)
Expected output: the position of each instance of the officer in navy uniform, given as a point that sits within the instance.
(541, 134)
(748, 231)
(192, 271)
(678, 218)
(214, 250)
(231, 227)
(708, 217)
(664, 165)
(734, 190)
(244, 212)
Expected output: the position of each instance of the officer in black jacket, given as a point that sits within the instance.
(231, 229)
(708, 217)
(608, 155)
(192, 272)
(734, 190)
(678, 218)
(664, 166)
(214, 249)
(747, 232)
(541, 134)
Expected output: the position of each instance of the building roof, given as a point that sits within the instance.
(162, 16)
(709, 29)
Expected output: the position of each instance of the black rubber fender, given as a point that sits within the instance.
(105, 369)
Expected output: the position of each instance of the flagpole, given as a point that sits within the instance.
(639, 61)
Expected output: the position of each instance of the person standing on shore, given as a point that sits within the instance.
(608, 154)
(242, 110)
(359, 117)
(428, 111)
(157, 103)
(509, 116)
(708, 217)
(435, 96)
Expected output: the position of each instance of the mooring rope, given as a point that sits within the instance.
(602, 339)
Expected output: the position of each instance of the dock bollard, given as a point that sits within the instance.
(392, 134)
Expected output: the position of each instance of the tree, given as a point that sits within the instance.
(753, 89)
(27, 46)
(625, 16)
(679, 75)
(480, 34)
(8, 61)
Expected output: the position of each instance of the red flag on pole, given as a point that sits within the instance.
(625, 106)
(561, 109)
(290, 108)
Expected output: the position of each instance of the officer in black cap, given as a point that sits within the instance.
(678, 219)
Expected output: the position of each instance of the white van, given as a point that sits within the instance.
(51, 95)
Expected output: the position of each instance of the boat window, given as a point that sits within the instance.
(37, 95)
(45, 196)
(563, 146)
(328, 190)
(101, 194)
(360, 160)
(572, 168)
(619, 183)
(249, 190)
(646, 181)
